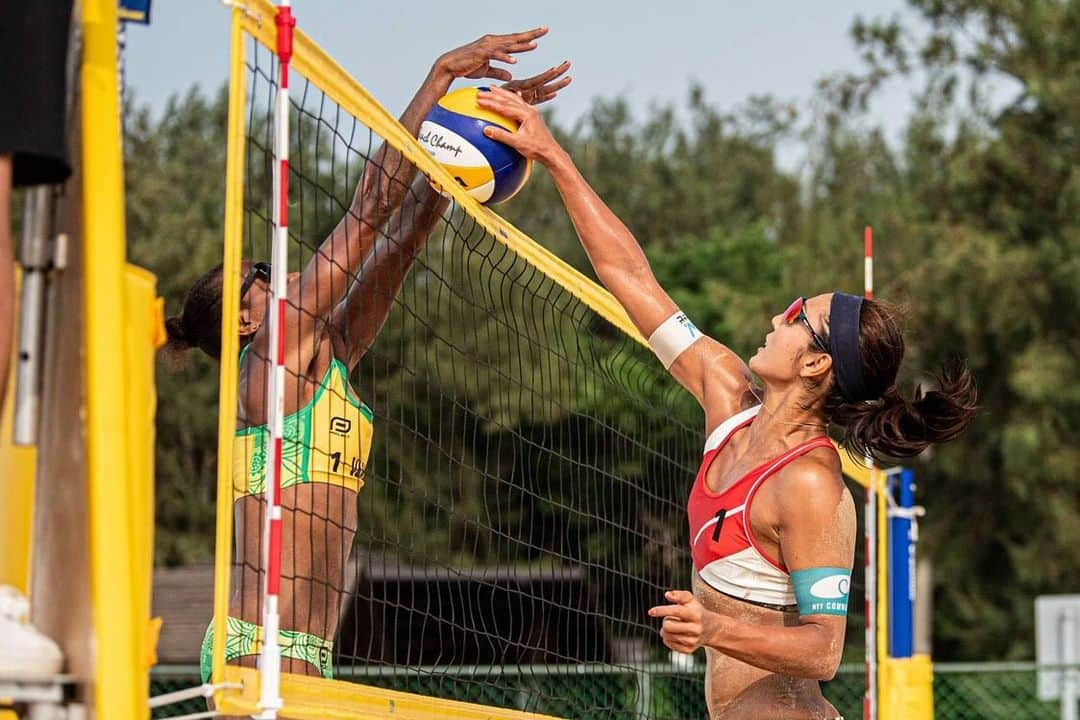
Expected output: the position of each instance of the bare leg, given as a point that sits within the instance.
(7, 276)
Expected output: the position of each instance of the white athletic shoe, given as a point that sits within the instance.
(24, 652)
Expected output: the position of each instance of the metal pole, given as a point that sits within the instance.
(643, 702)
(1070, 657)
(35, 256)
(924, 604)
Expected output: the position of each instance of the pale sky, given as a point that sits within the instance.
(645, 51)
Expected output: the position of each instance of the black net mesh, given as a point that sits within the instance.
(523, 501)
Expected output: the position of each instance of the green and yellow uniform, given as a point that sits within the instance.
(327, 440)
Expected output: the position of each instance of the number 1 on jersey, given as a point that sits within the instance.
(720, 514)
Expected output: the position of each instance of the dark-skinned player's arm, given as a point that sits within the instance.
(361, 315)
(382, 188)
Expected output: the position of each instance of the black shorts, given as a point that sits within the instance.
(33, 117)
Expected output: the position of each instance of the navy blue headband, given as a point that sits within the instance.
(844, 347)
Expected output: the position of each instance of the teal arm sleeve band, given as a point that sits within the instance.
(822, 591)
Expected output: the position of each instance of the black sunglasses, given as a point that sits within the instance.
(797, 311)
(259, 270)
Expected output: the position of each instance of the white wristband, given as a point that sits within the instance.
(671, 339)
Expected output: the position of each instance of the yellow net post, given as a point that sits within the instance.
(234, 220)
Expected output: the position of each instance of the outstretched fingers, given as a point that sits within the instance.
(549, 91)
(526, 39)
(547, 76)
(497, 73)
(505, 102)
(542, 87)
(474, 59)
(516, 42)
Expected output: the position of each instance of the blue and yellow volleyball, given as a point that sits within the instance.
(453, 133)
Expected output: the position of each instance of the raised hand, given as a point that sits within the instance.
(543, 87)
(532, 138)
(474, 60)
(687, 625)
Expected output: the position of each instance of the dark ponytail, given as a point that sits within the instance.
(892, 425)
(176, 343)
(199, 325)
(897, 427)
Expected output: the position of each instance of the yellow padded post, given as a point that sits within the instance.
(907, 689)
(144, 330)
(17, 489)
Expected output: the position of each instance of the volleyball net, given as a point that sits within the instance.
(520, 489)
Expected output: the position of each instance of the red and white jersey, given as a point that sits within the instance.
(726, 556)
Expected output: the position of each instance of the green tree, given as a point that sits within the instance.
(174, 176)
(978, 216)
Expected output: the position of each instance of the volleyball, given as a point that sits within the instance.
(453, 133)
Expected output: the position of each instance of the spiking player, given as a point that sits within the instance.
(772, 526)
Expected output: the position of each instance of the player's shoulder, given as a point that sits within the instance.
(815, 477)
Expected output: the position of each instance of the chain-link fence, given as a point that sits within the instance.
(994, 691)
(962, 691)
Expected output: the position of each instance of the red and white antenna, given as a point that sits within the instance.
(870, 525)
(270, 657)
(868, 263)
